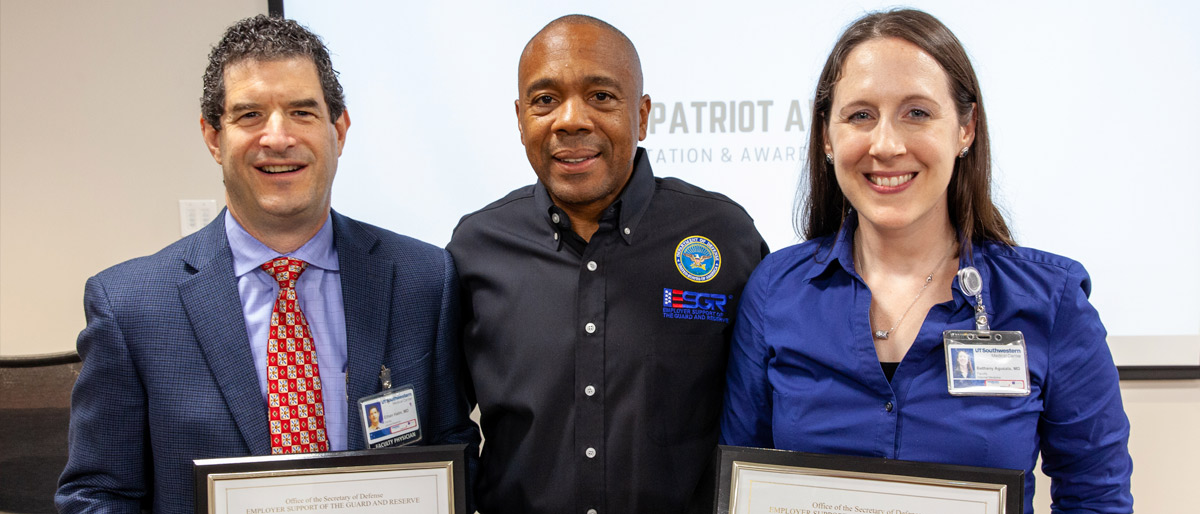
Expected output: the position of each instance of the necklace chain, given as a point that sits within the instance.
(883, 334)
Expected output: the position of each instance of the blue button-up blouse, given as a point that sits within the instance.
(803, 373)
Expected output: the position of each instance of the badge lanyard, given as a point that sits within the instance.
(389, 418)
(984, 362)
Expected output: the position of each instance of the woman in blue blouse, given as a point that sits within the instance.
(838, 344)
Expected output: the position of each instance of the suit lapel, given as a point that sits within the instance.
(210, 297)
(366, 293)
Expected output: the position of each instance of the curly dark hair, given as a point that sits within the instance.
(266, 38)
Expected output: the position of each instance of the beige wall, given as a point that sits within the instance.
(1164, 444)
(100, 139)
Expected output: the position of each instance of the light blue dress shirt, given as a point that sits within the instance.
(319, 291)
(804, 375)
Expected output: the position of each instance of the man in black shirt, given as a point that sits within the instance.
(598, 301)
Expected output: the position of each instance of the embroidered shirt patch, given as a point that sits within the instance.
(680, 304)
(697, 259)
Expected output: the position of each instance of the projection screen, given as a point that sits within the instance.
(1091, 109)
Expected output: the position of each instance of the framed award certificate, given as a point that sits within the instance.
(418, 480)
(758, 481)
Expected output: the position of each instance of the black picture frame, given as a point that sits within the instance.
(338, 462)
(725, 457)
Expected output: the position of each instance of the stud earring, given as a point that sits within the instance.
(829, 158)
(963, 153)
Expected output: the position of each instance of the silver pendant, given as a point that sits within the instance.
(881, 334)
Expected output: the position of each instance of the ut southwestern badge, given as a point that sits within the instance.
(995, 366)
(697, 259)
(389, 418)
(984, 362)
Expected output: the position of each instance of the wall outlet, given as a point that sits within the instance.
(195, 214)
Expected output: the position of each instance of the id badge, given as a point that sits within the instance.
(389, 418)
(986, 363)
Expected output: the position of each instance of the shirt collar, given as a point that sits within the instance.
(837, 252)
(249, 253)
(636, 197)
(628, 207)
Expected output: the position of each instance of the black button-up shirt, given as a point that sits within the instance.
(599, 367)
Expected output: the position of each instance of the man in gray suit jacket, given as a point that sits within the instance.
(179, 345)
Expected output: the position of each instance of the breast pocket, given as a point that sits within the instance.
(686, 384)
(412, 372)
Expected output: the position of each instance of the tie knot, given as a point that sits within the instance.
(285, 270)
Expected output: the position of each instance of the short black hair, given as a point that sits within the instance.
(583, 19)
(267, 38)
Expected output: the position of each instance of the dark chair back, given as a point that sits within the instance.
(35, 410)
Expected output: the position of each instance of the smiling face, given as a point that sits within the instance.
(894, 134)
(373, 413)
(277, 147)
(581, 113)
(964, 360)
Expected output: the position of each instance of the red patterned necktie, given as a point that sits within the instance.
(293, 380)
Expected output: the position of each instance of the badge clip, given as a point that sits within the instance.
(971, 284)
(385, 377)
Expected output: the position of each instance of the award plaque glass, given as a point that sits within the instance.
(420, 479)
(759, 481)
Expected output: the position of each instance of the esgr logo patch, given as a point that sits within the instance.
(679, 304)
(697, 259)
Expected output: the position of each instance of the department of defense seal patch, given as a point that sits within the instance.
(697, 259)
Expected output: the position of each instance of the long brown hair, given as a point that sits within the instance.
(820, 209)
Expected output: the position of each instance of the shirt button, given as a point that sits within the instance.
(592, 511)
(554, 217)
(626, 230)
(591, 265)
(556, 236)
(590, 452)
(888, 406)
(590, 328)
(589, 390)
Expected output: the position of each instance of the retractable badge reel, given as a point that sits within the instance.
(984, 362)
(389, 418)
